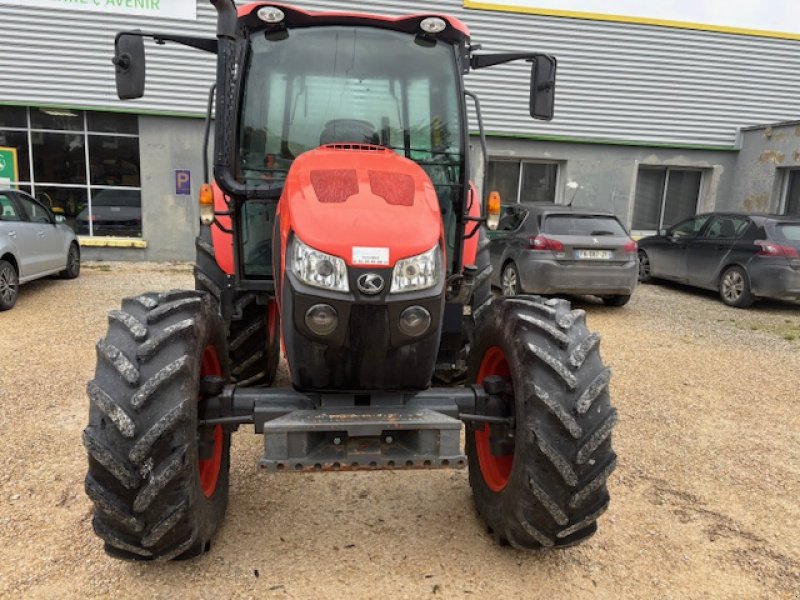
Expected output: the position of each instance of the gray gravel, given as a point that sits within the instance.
(704, 501)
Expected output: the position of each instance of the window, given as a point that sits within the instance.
(35, 212)
(524, 181)
(665, 196)
(726, 227)
(8, 212)
(583, 225)
(79, 164)
(790, 198)
(689, 227)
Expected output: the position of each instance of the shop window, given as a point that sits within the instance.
(790, 201)
(665, 196)
(100, 196)
(524, 181)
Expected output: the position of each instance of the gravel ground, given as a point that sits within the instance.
(704, 501)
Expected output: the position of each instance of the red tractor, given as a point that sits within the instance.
(342, 228)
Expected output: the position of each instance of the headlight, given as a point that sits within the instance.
(418, 272)
(316, 268)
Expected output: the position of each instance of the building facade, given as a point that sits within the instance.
(653, 123)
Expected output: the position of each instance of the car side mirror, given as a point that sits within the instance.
(663, 232)
(543, 87)
(60, 219)
(129, 65)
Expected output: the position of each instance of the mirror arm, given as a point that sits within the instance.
(205, 44)
(481, 61)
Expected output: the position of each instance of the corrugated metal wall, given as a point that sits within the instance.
(620, 82)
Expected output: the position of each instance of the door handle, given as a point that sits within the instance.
(41, 234)
(12, 234)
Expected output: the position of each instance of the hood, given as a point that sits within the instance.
(362, 203)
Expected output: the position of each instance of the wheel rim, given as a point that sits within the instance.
(733, 286)
(210, 468)
(509, 281)
(644, 265)
(8, 284)
(496, 470)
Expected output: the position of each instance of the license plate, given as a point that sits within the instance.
(593, 254)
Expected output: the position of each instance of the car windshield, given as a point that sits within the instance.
(592, 225)
(335, 84)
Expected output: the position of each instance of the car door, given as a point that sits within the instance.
(49, 243)
(670, 260)
(706, 252)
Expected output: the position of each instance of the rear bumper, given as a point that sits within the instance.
(777, 281)
(545, 276)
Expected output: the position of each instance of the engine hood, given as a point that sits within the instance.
(365, 204)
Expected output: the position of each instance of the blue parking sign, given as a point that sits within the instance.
(183, 182)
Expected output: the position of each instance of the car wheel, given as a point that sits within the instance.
(9, 285)
(734, 288)
(644, 267)
(73, 263)
(618, 300)
(510, 280)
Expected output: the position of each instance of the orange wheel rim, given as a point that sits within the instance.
(496, 470)
(210, 467)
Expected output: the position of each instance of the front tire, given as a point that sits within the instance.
(549, 485)
(9, 285)
(734, 288)
(158, 481)
(73, 263)
(645, 272)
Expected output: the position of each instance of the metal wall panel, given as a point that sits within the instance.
(617, 82)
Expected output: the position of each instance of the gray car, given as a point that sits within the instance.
(550, 249)
(33, 244)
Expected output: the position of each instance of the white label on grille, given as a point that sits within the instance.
(370, 256)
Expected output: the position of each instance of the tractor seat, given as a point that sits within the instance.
(348, 130)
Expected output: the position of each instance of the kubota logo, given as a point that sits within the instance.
(370, 284)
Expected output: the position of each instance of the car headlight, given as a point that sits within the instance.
(316, 268)
(418, 272)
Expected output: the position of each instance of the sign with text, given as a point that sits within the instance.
(8, 166)
(166, 9)
(769, 18)
(183, 182)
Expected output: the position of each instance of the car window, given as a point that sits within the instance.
(788, 231)
(511, 218)
(689, 227)
(35, 211)
(728, 227)
(595, 225)
(8, 212)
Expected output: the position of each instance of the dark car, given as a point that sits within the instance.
(551, 249)
(114, 213)
(743, 256)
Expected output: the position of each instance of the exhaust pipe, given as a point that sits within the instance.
(226, 18)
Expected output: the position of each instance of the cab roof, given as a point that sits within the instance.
(455, 32)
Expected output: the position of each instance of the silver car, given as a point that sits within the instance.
(550, 249)
(33, 244)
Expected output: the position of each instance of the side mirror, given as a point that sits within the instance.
(130, 65)
(543, 87)
(60, 219)
(663, 232)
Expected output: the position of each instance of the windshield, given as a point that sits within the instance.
(326, 85)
